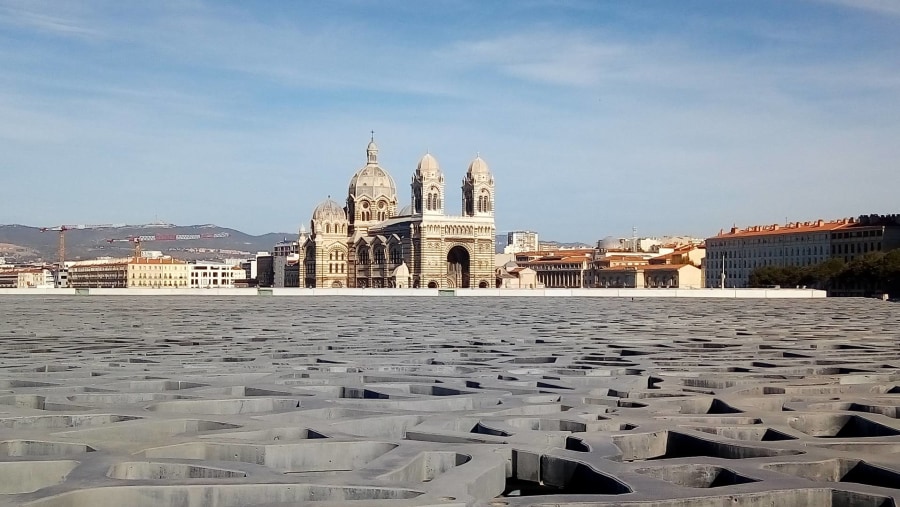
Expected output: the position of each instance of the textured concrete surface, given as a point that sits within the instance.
(186, 401)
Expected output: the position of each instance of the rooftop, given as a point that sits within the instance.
(790, 228)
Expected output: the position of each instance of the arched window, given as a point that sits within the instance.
(396, 254)
(362, 255)
(379, 255)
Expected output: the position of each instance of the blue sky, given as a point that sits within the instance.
(674, 117)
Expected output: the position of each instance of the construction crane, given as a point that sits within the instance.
(138, 240)
(62, 235)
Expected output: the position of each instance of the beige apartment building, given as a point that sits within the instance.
(163, 272)
(26, 278)
(35, 278)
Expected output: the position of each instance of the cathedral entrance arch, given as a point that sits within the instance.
(458, 266)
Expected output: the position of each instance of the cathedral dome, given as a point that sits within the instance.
(372, 180)
(479, 167)
(428, 166)
(329, 211)
(406, 211)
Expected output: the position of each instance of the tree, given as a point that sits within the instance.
(890, 272)
(825, 274)
(864, 272)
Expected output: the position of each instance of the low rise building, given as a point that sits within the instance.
(651, 276)
(205, 275)
(517, 278)
(563, 268)
(9, 278)
(99, 273)
(35, 278)
(162, 272)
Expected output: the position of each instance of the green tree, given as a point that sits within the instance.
(825, 275)
(890, 273)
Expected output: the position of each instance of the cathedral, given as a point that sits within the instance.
(371, 242)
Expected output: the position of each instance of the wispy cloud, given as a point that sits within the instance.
(565, 104)
(881, 7)
(26, 15)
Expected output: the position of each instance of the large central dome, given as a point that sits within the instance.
(372, 180)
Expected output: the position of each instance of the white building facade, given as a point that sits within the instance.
(521, 241)
(732, 256)
(214, 275)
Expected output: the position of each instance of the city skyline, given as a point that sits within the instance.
(595, 118)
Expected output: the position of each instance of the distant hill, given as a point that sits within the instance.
(21, 243)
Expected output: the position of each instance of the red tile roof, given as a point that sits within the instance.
(791, 228)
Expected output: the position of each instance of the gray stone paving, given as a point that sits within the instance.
(182, 401)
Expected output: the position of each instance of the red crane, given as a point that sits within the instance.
(138, 240)
(62, 236)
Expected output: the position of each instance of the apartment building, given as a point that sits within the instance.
(162, 272)
(732, 256)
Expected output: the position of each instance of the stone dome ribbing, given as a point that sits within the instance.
(372, 180)
(329, 211)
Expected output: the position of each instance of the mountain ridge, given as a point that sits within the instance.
(25, 243)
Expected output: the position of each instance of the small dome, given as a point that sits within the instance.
(401, 272)
(428, 166)
(406, 211)
(329, 211)
(479, 167)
